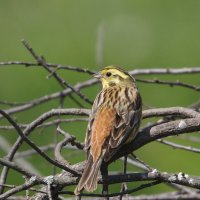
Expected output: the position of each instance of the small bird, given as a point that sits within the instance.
(114, 121)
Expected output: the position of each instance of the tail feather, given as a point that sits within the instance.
(89, 177)
(92, 180)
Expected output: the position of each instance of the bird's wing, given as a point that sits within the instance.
(101, 129)
(96, 105)
(109, 127)
(126, 126)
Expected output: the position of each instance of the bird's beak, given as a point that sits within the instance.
(97, 75)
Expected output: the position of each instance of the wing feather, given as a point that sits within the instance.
(97, 102)
(111, 126)
(126, 126)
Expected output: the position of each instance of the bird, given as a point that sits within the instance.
(114, 121)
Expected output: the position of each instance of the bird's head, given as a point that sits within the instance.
(112, 76)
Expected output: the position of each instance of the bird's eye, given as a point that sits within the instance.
(108, 74)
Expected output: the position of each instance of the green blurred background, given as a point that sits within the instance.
(136, 34)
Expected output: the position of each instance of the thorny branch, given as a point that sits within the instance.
(171, 121)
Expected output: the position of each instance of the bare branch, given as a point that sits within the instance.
(175, 111)
(31, 127)
(68, 138)
(11, 103)
(156, 177)
(178, 146)
(152, 133)
(142, 186)
(170, 83)
(172, 71)
(47, 124)
(16, 167)
(62, 82)
(57, 66)
(47, 98)
(17, 198)
(32, 151)
(49, 147)
(71, 139)
(21, 162)
(31, 189)
(26, 63)
(24, 137)
(65, 179)
(32, 181)
(168, 196)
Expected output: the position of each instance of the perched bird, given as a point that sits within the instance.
(114, 121)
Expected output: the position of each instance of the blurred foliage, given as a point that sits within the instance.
(137, 34)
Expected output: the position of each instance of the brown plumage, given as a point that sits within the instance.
(114, 121)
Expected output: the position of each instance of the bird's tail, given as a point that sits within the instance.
(89, 177)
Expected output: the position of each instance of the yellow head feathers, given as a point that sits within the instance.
(112, 75)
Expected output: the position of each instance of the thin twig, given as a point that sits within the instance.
(21, 162)
(152, 133)
(170, 83)
(49, 147)
(173, 111)
(57, 66)
(15, 167)
(11, 103)
(173, 71)
(124, 185)
(57, 151)
(46, 98)
(30, 152)
(61, 81)
(141, 162)
(71, 139)
(142, 186)
(47, 124)
(24, 137)
(31, 127)
(178, 146)
(32, 182)
(31, 189)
